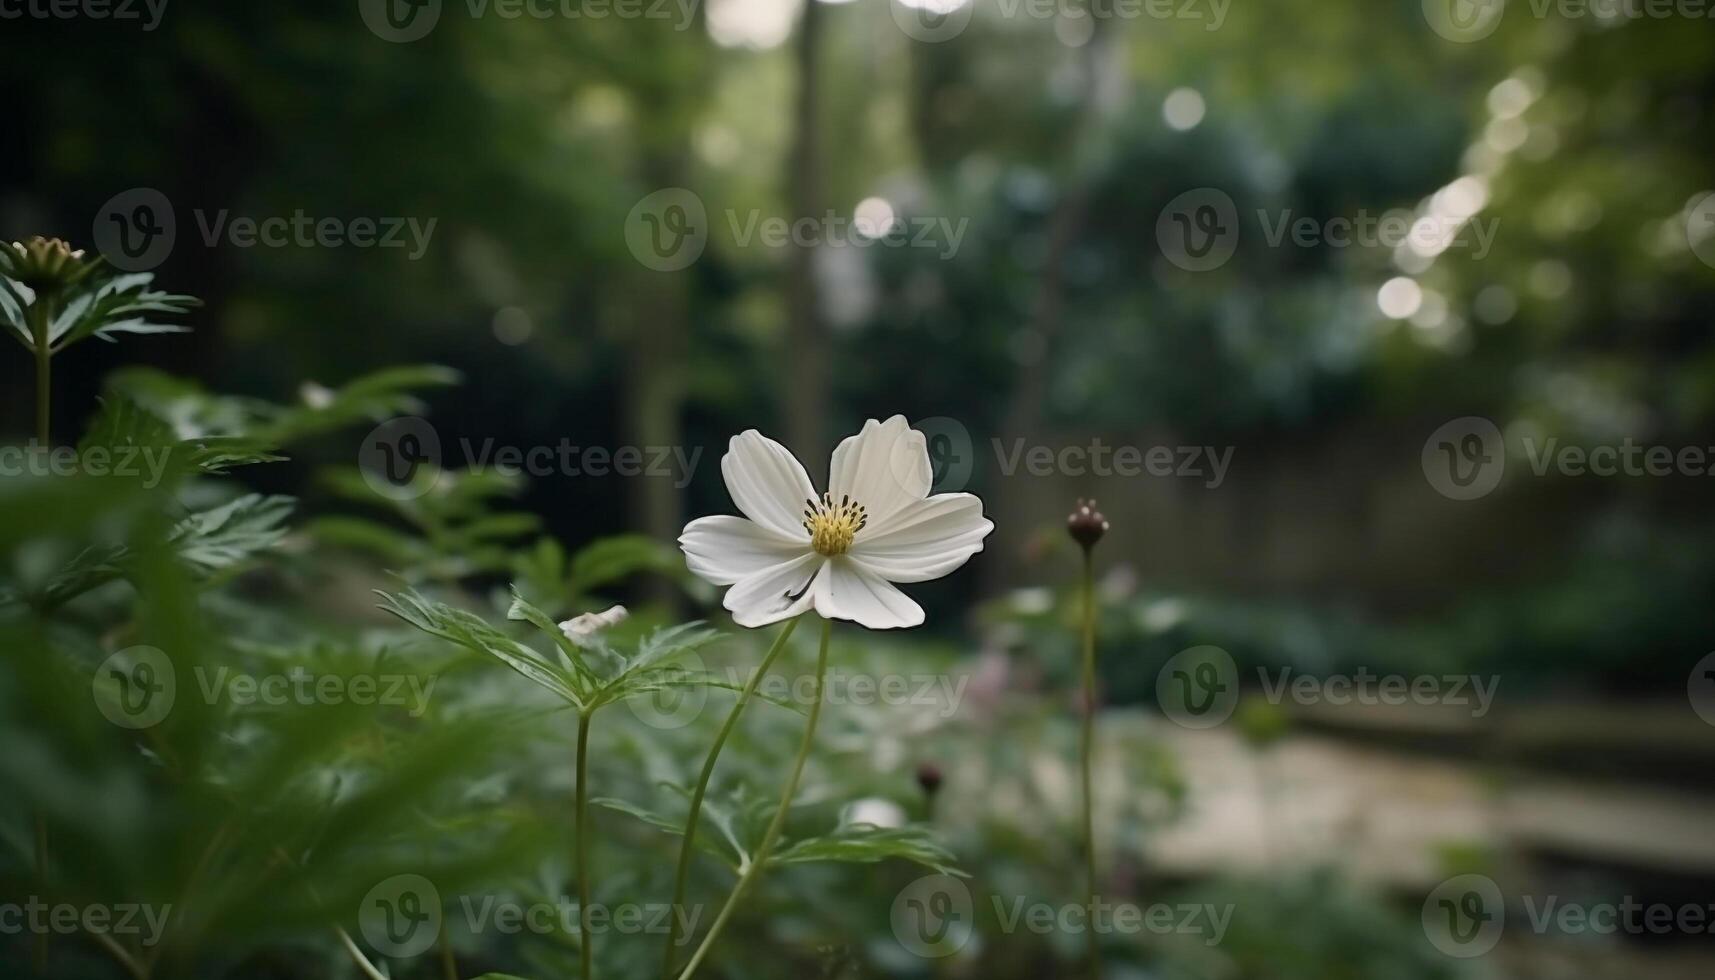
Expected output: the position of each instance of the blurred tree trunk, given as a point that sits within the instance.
(806, 351)
(657, 306)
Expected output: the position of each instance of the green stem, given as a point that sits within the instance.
(40, 323)
(42, 876)
(686, 850)
(1088, 744)
(754, 869)
(585, 953)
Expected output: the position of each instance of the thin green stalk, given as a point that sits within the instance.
(585, 953)
(686, 850)
(753, 870)
(41, 323)
(1088, 740)
(42, 876)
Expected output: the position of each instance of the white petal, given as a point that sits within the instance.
(884, 467)
(593, 622)
(846, 590)
(924, 540)
(761, 598)
(724, 549)
(767, 483)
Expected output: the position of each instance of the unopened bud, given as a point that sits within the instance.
(1086, 524)
(929, 777)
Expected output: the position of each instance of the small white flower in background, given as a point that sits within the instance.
(315, 396)
(838, 553)
(875, 811)
(589, 624)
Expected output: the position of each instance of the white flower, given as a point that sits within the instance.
(838, 553)
(876, 812)
(589, 623)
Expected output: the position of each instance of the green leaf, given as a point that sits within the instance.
(121, 304)
(226, 535)
(573, 655)
(471, 632)
(613, 558)
(867, 844)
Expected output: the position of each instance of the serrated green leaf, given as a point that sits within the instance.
(471, 632)
(868, 844)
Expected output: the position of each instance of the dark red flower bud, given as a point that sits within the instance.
(929, 777)
(1086, 525)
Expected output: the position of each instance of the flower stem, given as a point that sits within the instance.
(686, 849)
(40, 323)
(754, 869)
(585, 953)
(1088, 745)
(42, 876)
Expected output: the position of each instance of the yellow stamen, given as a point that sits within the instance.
(833, 526)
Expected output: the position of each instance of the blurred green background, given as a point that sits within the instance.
(1555, 162)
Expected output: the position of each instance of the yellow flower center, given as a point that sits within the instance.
(833, 526)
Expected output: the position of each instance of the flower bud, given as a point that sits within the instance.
(929, 777)
(45, 264)
(1086, 524)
